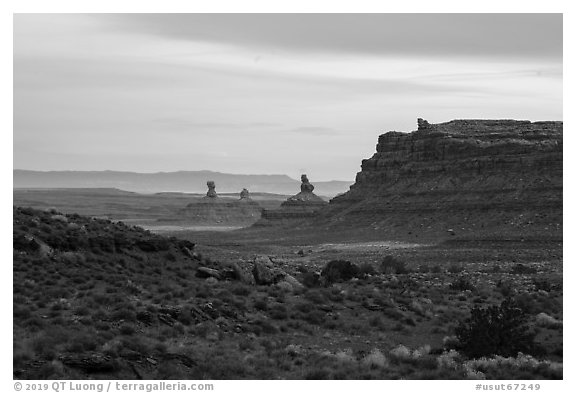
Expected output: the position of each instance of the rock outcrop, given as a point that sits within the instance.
(460, 177)
(211, 189)
(300, 206)
(244, 194)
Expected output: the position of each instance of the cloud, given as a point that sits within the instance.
(172, 92)
(476, 35)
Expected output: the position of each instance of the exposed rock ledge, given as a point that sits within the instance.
(470, 173)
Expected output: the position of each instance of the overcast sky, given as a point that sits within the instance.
(263, 94)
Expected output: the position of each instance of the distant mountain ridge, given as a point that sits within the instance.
(180, 181)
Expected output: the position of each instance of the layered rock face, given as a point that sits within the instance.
(302, 205)
(473, 175)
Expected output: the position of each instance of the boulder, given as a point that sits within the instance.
(285, 286)
(89, 362)
(206, 272)
(241, 275)
(293, 282)
(290, 284)
(263, 275)
(59, 217)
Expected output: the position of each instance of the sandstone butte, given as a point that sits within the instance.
(466, 178)
(213, 209)
(303, 205)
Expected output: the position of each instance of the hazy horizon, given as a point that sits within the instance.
(266, 93)
(178, 171)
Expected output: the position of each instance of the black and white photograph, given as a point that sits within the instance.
(287, 196)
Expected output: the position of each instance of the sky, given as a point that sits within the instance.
(266, 93)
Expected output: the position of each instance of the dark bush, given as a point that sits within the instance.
(278, 311)
(315, 317)
(541, 284)
(462, 284)
(496, 330)
(311, 279)
(505, 287)
(391, 265)
(338, 271)
(535, 303)
(261, 304)
(366, 269)
(21, 243)
(101, 243)
(184, 243)
(153, 244)
(121, 241)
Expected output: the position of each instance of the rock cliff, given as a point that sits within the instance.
(460, 177)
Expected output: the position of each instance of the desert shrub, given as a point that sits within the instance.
(317, 374)
(391, 265)
(242, 290)
(496, 330)
(375, 359)
(261, 304)
(101, 243)
(278, 311)
(454, 268)
(82, 341)
(377, 322)
(542, 284)
(22, 244)
(520, 268)
(267, 326)
(338, 271)
(46, 344)
(135, 343)
(127, 329)
(393, 313)
(121, 241)
(83, 311)
(21, 312)
(462, 284)
(153, 244)
(505, 287)
(311, 279)
(534, 303)
(315, 317)
(366, 269)
(315, 296)
(336, 295)
(123, 314)
(545, 320)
